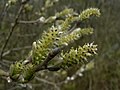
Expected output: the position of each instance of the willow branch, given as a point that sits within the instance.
(51, 55)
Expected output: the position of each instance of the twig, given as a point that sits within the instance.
(12, 28)
(51, 55)
(39, 20)
(29, 22)
(48, 82)
(15, 49)
(26, 35)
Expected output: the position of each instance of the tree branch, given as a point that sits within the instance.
(30, 22)
(15, 49)
(12, 27)
(48, 82)
(51, 55)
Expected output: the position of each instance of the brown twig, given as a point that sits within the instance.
(12, 28)
(51, 55)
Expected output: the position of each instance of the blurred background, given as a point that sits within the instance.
(106, 72)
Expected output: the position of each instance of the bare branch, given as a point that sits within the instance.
(30, 22)
(15, 49)
(12, 28)
(39, 20)
(48, 82)
(26, 35)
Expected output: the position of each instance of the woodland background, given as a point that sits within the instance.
(106, 73)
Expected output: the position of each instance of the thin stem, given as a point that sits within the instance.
(12, 29)
(15, 49)
(29, 22)
(48, 82)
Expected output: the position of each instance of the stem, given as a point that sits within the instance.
(47, 60)
(12, 29)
